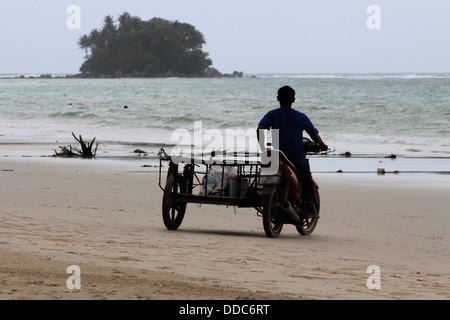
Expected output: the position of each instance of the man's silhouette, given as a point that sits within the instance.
(291, 124)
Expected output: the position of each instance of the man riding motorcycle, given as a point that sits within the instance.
(290, 124)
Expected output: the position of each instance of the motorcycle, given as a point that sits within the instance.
(282, 196)
(276, 194)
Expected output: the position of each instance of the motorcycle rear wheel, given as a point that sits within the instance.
(308, 225)
(272, 215)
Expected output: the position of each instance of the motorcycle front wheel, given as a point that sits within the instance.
(308, 225)
(272, 214)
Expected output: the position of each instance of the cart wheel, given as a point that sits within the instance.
(172, 211)
(272, 215)
(308, 225)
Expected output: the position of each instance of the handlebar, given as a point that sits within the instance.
(310, 146)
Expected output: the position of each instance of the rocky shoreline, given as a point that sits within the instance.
(209, 73)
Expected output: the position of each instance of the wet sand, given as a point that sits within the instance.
(105, 217)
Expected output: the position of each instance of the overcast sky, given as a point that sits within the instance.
(254, 36)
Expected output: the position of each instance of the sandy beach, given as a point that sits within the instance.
(105, 217)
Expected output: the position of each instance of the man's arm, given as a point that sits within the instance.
(260, 137)
(317, 139)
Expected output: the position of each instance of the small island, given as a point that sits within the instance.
(154, 48)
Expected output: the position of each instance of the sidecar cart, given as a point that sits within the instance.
(189, 180)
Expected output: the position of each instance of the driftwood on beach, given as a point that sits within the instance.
(87, 149)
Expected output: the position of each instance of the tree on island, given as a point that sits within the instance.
(144, 48)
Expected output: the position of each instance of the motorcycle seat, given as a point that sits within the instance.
(285, 159)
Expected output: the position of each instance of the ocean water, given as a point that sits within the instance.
(371, 114)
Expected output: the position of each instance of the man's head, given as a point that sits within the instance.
(286, 95)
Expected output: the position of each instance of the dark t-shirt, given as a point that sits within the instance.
(291, 124)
